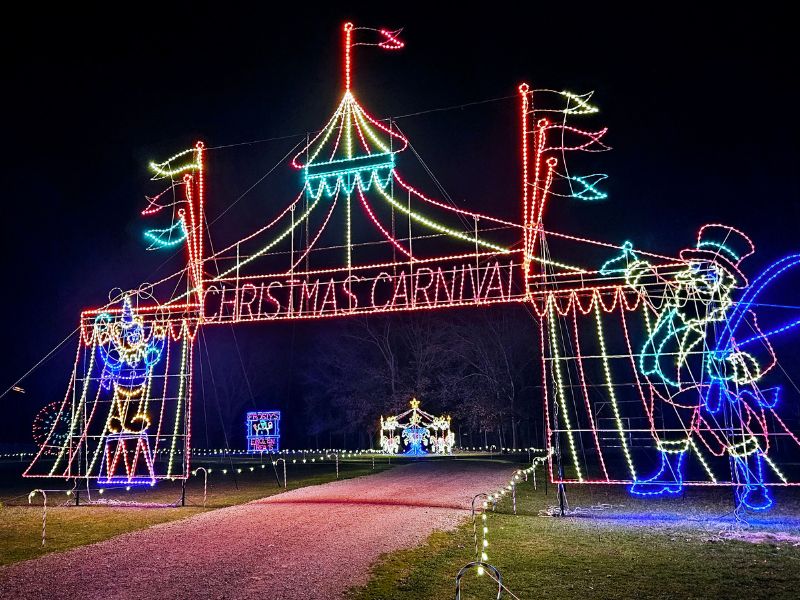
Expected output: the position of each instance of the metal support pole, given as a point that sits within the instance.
(183, 492)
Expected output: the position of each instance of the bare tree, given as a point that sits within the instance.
(476, 367)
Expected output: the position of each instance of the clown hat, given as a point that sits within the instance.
(723, 245)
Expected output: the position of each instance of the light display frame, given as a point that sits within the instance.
(255, 422)
(420, 432)
(603, 325)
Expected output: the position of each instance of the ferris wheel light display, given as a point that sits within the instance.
(50, 426)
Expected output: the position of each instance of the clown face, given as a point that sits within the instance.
(127, 353)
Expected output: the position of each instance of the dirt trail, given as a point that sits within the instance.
(310, 543)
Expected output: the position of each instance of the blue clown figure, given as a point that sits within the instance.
(128, 354)
(676, 357)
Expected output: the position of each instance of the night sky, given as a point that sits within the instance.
(701, 109)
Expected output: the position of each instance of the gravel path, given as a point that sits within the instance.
(310, 543)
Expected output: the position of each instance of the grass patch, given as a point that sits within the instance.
(678, 548)
(69, 526)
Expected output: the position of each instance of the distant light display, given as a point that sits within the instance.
(49, 425)
(263, 431)
(414, 436)
(419, 431)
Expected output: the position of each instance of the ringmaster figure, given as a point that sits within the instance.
(684, 369)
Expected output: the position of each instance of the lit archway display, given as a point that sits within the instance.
(419, 432)
(658, 371)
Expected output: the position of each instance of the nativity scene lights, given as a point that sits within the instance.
(416, 432)
(658, 371)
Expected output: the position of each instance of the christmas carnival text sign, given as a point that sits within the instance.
(332, 293)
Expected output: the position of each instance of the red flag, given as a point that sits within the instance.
(383, 38)
(386, 39)
(391, 41)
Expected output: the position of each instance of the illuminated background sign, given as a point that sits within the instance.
(263, 431)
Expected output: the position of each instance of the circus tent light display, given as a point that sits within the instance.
(658, 371)
(421, 430)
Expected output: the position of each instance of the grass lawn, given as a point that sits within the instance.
(689, 547)
(69, 526)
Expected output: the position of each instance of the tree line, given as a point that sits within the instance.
(480, 366)
(333, 380)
